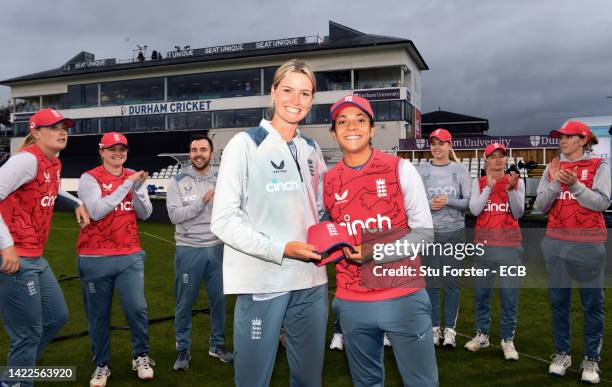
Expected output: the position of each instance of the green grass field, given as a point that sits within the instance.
(456, 367)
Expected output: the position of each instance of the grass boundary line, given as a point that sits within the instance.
(140, 232)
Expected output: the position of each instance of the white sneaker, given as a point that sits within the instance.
(479, 341)
(560, 363)
(143, 364)
(510, 352)
(437, 334)
(337, 342)
(449, 337)
(98, 378)
(590, 371)
(386, 341)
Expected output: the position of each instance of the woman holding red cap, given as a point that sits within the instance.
(32, 305)
(574, 191)
(265, 200)
(110, 255)
(448, 187)
(498, 202)
(380, 199)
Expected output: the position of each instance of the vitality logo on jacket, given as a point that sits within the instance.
(278, 168)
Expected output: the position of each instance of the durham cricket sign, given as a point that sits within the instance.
(166, 107)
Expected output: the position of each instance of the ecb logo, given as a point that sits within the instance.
(420, 143)
(535, 140)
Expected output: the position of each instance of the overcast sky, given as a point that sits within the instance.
(526, 65)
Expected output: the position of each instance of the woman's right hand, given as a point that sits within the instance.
(490, 181)
(10, 260)
(553, 169)
(301, 251)
(136, 176)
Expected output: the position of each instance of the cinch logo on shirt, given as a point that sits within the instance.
(371, 225)
(125, 206)
(566, 195)
(448, 191)
(189, 198)
(48, 201)
(279, 186)
(497, 207)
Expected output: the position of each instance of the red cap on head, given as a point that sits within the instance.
(493, 147)
(351, 100)
(329, 238)
(49, 117)
(572, 128)
(112, 138)
(441, 134)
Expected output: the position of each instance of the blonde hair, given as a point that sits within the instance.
(27, 141)
(453, 156)
(292, 66)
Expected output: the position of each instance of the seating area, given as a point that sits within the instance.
(474, 165)
(167, 172)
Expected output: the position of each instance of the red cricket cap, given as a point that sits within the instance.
(441, 134)
(112, 138)
(572, 128)
(49, 117)
(351, 100)
(329, 238)
(493, 147)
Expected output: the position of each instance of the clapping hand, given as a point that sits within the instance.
(512, 180)
(568, 177)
